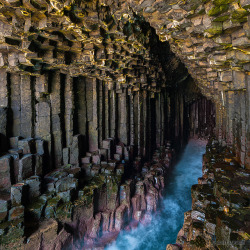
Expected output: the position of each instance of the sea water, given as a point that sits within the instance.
(166, 224)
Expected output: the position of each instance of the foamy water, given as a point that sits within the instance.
(165, 225)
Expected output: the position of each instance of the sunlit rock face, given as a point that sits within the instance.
(91, 91)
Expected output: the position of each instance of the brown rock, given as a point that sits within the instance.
(173, 247)
(94, 227)
(105, 221)
(121, 217)
(16, 213)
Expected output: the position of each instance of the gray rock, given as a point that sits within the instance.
(39, 146)
(66, 156)
(3, 120)
(38, 164)
(14, 141)
(75, 150)
(65, 184)
(5, 173)
(18, 194)
(27, 145)
(25, 167)
(34, 184)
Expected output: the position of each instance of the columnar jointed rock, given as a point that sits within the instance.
(5, 173)
(212, 39)
(100, 208)
(220, 214)
(99, 81)
(92, 90)
(3, 125)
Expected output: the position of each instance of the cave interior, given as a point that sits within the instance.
(95, 93)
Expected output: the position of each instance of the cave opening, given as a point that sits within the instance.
(98, 101)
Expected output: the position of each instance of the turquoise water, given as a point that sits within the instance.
(166, 224)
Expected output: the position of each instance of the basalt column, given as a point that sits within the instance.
(212, 39)
(91, 92)
(201, 116)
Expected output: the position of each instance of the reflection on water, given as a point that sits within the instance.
(165, 225)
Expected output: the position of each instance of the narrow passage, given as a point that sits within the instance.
(166, 224)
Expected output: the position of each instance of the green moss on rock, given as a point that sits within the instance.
(217, 10)
(221, 2)
(11, 232)
(222, 18)
(239, 13)
(51, 206)
(240, 20)
(215, 29)
(64, 211)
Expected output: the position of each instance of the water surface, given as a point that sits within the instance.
(165, 225)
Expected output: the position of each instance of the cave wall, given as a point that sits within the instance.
(55, 107)
(81, 116)
(86, 68)
(56, 83)
(88, 92)
(74, 74)
(212, 39)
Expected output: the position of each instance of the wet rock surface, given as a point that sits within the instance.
(70, 207)
(219, 218)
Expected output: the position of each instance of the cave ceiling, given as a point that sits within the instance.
(116, 41)
(89, 38)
